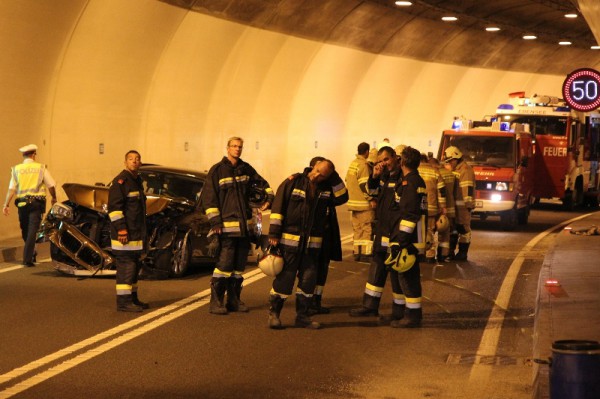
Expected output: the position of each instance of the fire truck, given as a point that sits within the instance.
(531, 149)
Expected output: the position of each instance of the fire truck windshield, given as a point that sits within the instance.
(550, 125)
(485, 150)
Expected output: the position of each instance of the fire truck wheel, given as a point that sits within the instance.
(509, 220)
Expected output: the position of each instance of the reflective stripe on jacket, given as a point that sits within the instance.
(30, 179)
(357, 178)
(127, 211)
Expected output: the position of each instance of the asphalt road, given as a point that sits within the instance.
(60, 337)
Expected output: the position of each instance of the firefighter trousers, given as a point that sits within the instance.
(300, 264)
(128, 268)
(233, 256)
(378, 273)
(361, 224)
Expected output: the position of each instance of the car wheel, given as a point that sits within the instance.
(175, 260)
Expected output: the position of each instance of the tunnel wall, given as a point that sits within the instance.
(79, 75)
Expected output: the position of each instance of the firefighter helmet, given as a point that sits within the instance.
(399, 260)
(271, 263)
(404, 262)
(256, 196)
(442, 224)
(453, 152)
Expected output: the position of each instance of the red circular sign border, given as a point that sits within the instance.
(589, 72)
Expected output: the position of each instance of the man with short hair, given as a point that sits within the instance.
(226, 202)
(127, 213)
(28, 181)
(298, 225)
(361, 204)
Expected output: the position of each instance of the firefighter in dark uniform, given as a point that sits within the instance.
(28, 181)
(226, 202)
(385, 183)
(297, 225)
(412, 206)
(332, 242)
(127, 212)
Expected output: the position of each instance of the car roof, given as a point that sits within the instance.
(172, 170)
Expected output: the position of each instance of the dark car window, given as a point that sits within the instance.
(171, 185)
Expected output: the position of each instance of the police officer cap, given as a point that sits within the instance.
(28, 148)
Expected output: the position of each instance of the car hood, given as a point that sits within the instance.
(96, 198)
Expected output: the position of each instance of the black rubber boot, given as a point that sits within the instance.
(369, 308)
(234, 290)
(218, 286)
(125, 304)
(316, 307)
(274, 312)
(463, 249)
(302, 317)
(453, 243)
(136, 301)
(397, 314)
(412, 320)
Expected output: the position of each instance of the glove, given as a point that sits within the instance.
(393, 252)
(213, 249)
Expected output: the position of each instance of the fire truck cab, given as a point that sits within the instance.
(502, 162)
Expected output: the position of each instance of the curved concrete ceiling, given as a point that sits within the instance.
(381, 27)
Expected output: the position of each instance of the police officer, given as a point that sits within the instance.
(361, 204)
(297, 225)
(385, 181)
(29, 181)
(127, 212)
(464, 204)
(226, 202)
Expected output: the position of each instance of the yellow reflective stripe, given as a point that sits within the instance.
(315, 242)
(273, 292)
(413, 303)
(407, 226)
(137, 245)
(373, 290)
(269, 190)
(231, 224)
(220, 273)
(276, 218)
(421, 190)
(212, 212)
(242, 178)
(398, 296)
(133, 194)
(300, 292)
(298, 192)
(290, 237)
(116, 215)
(225, 180)
(339, 189)
(124, 289)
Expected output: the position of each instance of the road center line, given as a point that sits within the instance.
(161, 316)
(480, 373)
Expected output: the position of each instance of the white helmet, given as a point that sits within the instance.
(442, 224)
(272, 263)
(453, 152)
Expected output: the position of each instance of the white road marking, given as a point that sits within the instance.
(161, 316)
(11, 268)
(481, 373)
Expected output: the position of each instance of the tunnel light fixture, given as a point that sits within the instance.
(449, 19)
(403, 3)
(492, 29)
(565, 43)
(595, 47)
(571, 15)
(529, 37)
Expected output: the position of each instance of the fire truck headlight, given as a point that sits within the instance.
(496, 197)
(501, 186)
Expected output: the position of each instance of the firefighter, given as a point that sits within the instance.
(452, 189)
(464, 201)
(412, 209)
(436, 204)
(332, 242)
(361, 204)
(225, 200)
(297, 225)
(28, 181)
(383, 183)
(127, 212)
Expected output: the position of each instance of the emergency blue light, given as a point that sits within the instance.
(506, 106)
(562, 109)
(504, 126)
(456, 124)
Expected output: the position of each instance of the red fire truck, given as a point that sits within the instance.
(532, 148)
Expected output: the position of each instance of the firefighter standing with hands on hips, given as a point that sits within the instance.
(127, 212)
(465, 203)
(226, 202)
(401, 205)
(28, 181)
(297, 225)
